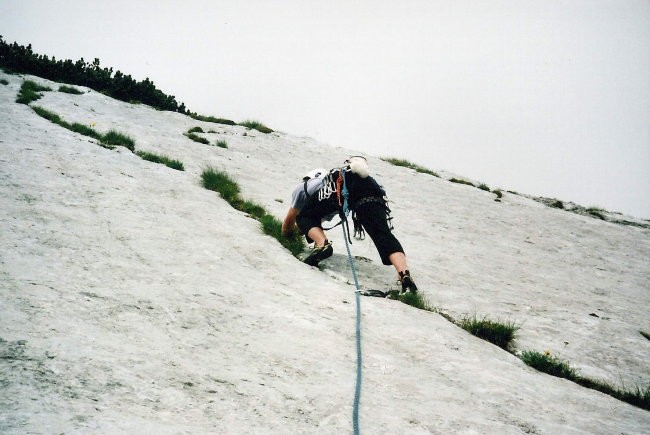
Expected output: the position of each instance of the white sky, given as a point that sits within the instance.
(543, 97)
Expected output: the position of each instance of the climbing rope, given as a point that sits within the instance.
(346, 232)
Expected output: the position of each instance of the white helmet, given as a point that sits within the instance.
(315, 173)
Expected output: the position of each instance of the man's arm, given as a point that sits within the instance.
(289, 222)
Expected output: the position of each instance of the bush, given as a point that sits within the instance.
(407, 164)
(16, 58)
(557, 204)
(29, 91)
(498, 193)
(195, 130)
(116, 138)
(70, 90)
(4, 82)
(171, 163)
(197, 138)
(222, 143)
(497, 333)
(256, 125)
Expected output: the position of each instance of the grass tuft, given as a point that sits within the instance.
(195, 130)
(407, 164)
(116, 138)
(498, 193)
(29, 91)
(484, 186)
(416, 300)
(596, 212)
(222, 183)
(211, 119)
(82, 129)
(222, 144)
(273, 227)
(497, 333)
(171, 163)
(50, 116)
(256, 125)
(461, 181)
(197, 138)
(108, 140)
(547, 363)
(70, 90)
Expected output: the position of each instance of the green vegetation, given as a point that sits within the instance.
(197, 138)
(273, 227)
(174, 164)
(547, 363)
(16, 58)
(596, 212)
(70, 90)
(497, 333)
(211, 119)
(256, 125)
(195, 130)
(416, 300)
(557, 204)
(222, 144)
(498, 193)
(407, 164)
(83, 129)
(116, 138)
(4, 82)
(484, 186)
(222, 183)
(108, 140)
(29, 91)
(461, 181)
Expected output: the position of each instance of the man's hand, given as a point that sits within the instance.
(289, 223)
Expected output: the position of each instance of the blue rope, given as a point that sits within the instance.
(357, 389)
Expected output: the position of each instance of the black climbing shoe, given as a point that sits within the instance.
(407, 282)
(319, 253)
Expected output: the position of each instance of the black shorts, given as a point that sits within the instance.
(313, 214)
(372, 216)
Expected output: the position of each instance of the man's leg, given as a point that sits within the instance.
(398, 260)
(317, 235)
(322, 248)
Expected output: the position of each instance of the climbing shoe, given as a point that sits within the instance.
(319, 253)
(407, 282)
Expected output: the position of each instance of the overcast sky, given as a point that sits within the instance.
(542, 97)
